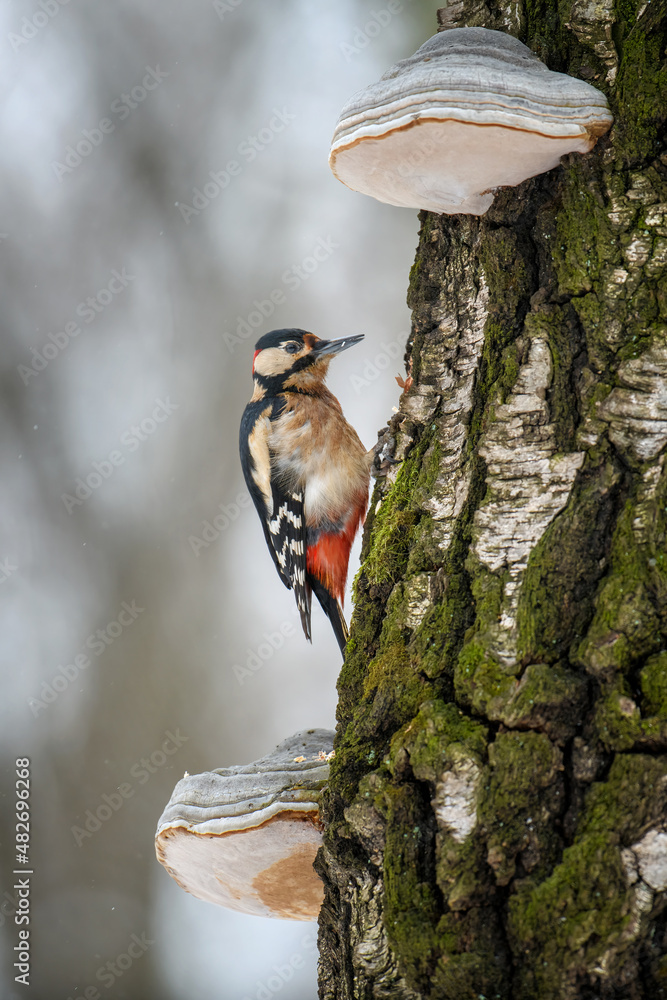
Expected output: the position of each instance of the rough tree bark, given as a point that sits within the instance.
(496, 817)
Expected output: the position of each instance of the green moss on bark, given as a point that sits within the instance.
(556, 602)
(653, 681)
(561, 927)
(564, 925)
(631, 612)
(481, 682)
(639, 97)
(524, 793)
(412, 903)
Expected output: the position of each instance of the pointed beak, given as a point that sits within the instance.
(327, 347)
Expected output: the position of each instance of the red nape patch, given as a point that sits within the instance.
(254, 358)
(327, 560)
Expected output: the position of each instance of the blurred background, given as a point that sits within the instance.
(166, 200)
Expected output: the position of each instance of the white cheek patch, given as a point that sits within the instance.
(271, 361)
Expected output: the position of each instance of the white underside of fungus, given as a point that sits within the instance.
(266, 871)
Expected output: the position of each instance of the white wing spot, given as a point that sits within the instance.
(288, 515)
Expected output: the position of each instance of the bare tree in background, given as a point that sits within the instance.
(496, 814)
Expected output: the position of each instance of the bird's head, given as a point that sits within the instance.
(294, 360)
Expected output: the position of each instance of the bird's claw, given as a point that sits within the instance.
(382, 457)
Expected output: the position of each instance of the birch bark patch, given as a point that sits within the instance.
(651, 855)
(455, 801)
(528, 483)
(636, 411)
(454, 371)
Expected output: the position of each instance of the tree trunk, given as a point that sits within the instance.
(496, 816)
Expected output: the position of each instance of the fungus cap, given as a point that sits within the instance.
(472, 110)
(246, 837)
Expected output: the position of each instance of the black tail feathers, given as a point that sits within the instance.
(333, 611)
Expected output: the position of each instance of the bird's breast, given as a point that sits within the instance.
(314, 449)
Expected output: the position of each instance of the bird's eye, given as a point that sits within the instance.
(292, 347)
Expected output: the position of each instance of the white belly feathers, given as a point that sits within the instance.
(330, 477)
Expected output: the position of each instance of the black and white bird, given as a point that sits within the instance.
(306, 469)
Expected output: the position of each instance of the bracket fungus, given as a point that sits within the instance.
(246, 836)
(472, 110)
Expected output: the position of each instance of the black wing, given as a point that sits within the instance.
(280, 509)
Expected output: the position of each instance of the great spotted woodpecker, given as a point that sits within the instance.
(305, 468)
